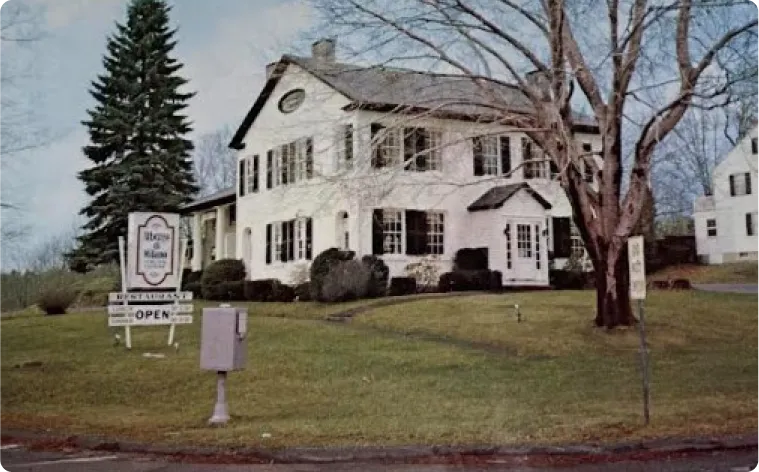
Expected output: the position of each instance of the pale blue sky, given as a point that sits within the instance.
(224, 44)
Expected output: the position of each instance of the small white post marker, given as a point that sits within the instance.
(122, 262)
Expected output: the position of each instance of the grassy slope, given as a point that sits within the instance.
(737, 272)
(550, 378)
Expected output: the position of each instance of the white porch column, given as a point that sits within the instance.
(197, 244)
(221, 228)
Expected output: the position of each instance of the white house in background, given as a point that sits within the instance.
(393, 162)
(726, 221)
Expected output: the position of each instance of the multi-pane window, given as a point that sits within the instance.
(344, 146)
(578, 248)
(392, 231)
(740, 184)
(587, 170)
(288, 240)
(533, 161)
(435, 232)
(411, 232)
(251, 174)
(419, 149)
(751, 224)
(492, 155)
(508, 245)
(289, 163)
(711, 227)
(537, 247)
(524, 241)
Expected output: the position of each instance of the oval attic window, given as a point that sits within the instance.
(291, 100)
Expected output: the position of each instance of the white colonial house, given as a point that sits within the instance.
(726, 221)
(393, 162)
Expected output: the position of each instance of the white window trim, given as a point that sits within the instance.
(392, 139)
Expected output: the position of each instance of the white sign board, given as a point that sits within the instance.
(114, 297)
(637, 263)
(133, 309)
(134, 320)
(153, 250)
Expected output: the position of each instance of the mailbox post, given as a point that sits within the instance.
(222, 349)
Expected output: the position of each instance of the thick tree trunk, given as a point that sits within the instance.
(612, 290)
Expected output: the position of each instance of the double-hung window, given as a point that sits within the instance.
(492, 155)
(418, 149)
(411, 232)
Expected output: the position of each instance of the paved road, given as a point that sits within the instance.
(18, 459)
(727, 288)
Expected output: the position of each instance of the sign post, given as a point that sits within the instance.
(636, 259)
(152, 259)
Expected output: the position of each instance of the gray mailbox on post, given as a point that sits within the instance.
(222, 348)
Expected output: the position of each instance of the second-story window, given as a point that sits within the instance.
(289, 163)
(533, 161)
(419, 149)
(344, 146)
(740, 184)
(492, 155)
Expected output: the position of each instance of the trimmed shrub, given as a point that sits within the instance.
(681, 284)
(262, 290)
(465, 280)
(55, 299)
(561, 279)
(321, 267)
(346, 280)
(218, 272)
(189, 276)
(195, 288)
(379, 275)
(471, 259)
(225, 291)
(402, 286)
(283, 293)
(303, 292)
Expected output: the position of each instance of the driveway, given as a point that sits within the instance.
(727, 288)
(16, 458)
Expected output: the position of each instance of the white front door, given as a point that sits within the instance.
(525, 250)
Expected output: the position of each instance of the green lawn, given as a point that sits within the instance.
(448, 371)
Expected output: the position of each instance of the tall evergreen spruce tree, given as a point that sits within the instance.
(141, 158)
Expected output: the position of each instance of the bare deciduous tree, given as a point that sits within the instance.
(214, 162)
(19, 126)
(639, 68)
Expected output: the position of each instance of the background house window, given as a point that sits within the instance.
(751, 224)
(711, 227)
(740, 184)
(754, 146)
(435, 230)
(392, 232)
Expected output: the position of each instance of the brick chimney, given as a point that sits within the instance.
(323, 50)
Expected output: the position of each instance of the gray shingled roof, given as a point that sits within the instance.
(393, 86)
(381, 86)
(497, 196)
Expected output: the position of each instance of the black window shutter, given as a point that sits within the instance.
(422, 148)
(562, 237)
(377, 160)
(349, 143)
(526, 156)
(377, 232)
(554, 168)
(749, 227)
(409, 147)
(309, 232)
(505, 155)
(255, 173)
(268, 243)
(269, 169)
(291, 241)
(479, 168)
(416, 232)
(748, 183)
(309, 158)
(241, 175)
(732, 185)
